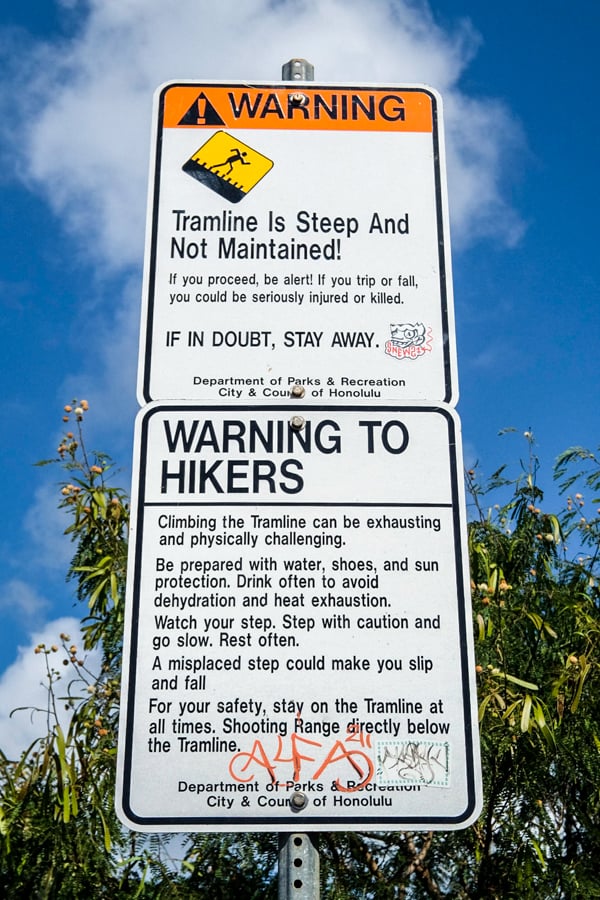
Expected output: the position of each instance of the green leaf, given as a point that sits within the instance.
(541, 856)
(583, 673)
(484, 705)
(481, 624)
(526, 684)
(114, 588)
(105, 829)
(526, 713)
(100, 498)
(540, 720)
(536, 619)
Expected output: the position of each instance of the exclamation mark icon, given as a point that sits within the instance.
(201, 112)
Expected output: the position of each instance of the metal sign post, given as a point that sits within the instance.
(298, 853)
(298, 871)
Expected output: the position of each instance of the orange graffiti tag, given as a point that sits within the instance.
(245, 765)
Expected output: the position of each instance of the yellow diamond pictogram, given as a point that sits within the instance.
(228, 166)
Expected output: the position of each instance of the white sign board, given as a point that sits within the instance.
(297, 233)
(298, 651)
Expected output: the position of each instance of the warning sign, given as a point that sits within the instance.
(334, 272)
(227, 166)
(298, 650)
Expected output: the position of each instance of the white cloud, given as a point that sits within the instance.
(109, 384)
(86, 147)
(475, 163)
(24, 687)
(20, 600)
(47, 546)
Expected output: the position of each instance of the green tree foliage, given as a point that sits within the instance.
(537, 632)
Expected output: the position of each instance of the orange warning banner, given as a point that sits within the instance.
(302, 106)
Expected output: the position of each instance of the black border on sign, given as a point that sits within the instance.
(306, 86)
(298, 822)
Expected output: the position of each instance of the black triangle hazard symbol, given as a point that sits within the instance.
(201, 112)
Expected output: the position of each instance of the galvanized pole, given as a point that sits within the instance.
(298, 871)
(298, 868)
(298, 70)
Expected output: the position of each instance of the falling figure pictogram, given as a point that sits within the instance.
(236, 156)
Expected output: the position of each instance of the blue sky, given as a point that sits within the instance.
(519, 84)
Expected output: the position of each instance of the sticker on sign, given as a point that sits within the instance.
(297, 233)
(298, 650)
